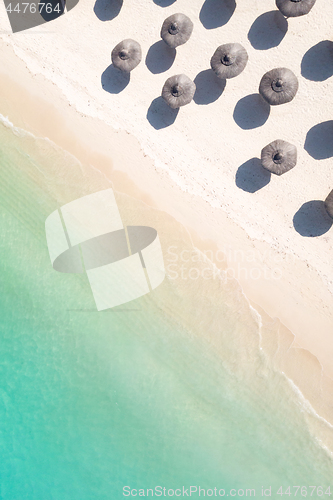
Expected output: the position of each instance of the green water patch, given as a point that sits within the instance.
(92, 401)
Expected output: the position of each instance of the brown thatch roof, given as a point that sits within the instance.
(178, 90)
(294, 8)
(329, 204)
(126, 55)
(278, 86)
(176, 30)
(229, 60)
(279, 156)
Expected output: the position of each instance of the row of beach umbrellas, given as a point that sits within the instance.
(278, 86)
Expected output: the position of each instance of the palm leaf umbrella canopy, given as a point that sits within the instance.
(279, 156)
(278, 86)
(176, 30)
(329, 204)
(294, 8)
(178, 90)
(229, 60)
(126, 55)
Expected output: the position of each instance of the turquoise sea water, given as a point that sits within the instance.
(92, 401)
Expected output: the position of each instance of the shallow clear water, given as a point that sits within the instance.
(171, 389)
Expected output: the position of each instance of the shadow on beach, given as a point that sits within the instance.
(113, 80)
(160, 115)
(268, 30)
(164, 3)
(251, 176)
(106, 10)
(319, 141)
(160, 57)
(208, 87)
(312, 220)
(251, 112)
(56, 10)
(70, 4)
(317, 62)
(216, 13)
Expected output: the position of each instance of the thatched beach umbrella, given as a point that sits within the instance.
(294, 8)
(178, 90)
(329, 204)
(278, 86)
(126, 55)
(279, 157)
(229, 60)
(176, 30)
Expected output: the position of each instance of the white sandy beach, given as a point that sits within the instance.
(51, 86)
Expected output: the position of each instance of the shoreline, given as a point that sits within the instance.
(42, 109)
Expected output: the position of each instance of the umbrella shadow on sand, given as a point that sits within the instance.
(268, 30)
(317, 62)
(319, 141)
(160, 115)
(251, 112)
(113, 80)
(312, 220)
(216, 13)
(251, 176)
(56, 10)
(208, 87)
(164, 3)
(160, 57)
(106, 10)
